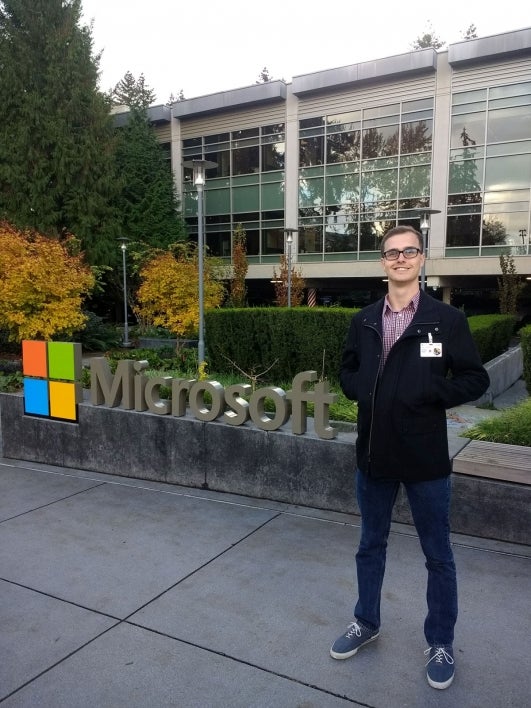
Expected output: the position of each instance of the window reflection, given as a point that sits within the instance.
(311, 239)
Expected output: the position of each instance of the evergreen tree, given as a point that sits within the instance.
(56, 137)
(132, 92)
(148, 202)
(428, 39)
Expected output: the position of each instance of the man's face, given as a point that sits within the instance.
(403, 270)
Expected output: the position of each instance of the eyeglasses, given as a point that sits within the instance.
(393, 253)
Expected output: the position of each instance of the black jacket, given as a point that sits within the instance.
(402, 409)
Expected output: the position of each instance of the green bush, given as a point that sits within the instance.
(492, 334)
(525, 343)
(512, 427)
(97, 335)
(282, 341)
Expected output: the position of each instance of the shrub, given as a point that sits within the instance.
(525, 343)
(492, 334)
(97, 335)
(512, 427)
(281, 341)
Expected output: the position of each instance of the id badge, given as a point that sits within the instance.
(430, 348)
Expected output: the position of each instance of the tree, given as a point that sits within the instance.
(43, 282)
(264, 76)
(174, 99)
(509, 286)
(56, 138)
(168, 294)
(132, 92)
(148, 204)
(470, 32)
(240, 266)
(428, 39)
(280, 282)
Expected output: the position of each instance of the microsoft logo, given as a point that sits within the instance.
(52, 372)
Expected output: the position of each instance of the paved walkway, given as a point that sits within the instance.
(116, 592)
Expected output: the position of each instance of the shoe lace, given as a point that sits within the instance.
(352, 629)
(439, 655)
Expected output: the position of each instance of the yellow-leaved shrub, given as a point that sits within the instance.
(43, 282)
(168, 295)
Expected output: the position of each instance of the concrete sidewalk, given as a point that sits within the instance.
(117, 592)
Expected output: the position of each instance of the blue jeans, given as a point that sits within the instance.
(430, 507)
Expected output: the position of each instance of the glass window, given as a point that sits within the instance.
(463, 230)
(311, 122)
(505, 229)
(371, 233)
(272, 241)
(465, 176)
(416, 136)
(192, 143)
(505, 173)
(273, 195)
(378, 185)
(311, 151)
(273, 156)
(343, 147)
(510, 90)
(246, 198)
(311, 239)
(243, 134)
(245, 160)
(217, 201)
(414, 181)
(380, 142)
(417, 105)
(311, 192)
(218, 244)
(342, 188)
(217, 138)
(252, 242)
(222, 160)
(509, 124)
(342, 119)
(468, 129)
(273, 129)
(381, 111)
(469, 97)
(341, 237)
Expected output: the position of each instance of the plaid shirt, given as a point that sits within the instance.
(394, 324)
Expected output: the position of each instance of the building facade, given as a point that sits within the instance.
(343, 154)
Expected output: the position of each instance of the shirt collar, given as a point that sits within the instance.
(413, 304)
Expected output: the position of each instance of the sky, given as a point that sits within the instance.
(207, 46)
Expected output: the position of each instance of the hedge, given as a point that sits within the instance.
(525, 343)
(281, 340)
(492, 334)
(284, 341)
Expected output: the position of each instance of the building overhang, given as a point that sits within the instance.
(496, 47)
(267, 92)
(389, 68)
(156, 115)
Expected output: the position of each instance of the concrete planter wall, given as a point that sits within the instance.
(297, 469)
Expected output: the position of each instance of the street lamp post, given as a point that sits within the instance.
(199, 168)
(123, 245)
(424, 230)
(289, 241)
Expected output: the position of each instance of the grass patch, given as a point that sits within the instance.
(512, 427)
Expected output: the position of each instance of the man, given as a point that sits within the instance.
(407, 358)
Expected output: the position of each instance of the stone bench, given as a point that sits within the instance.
(511, 463)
